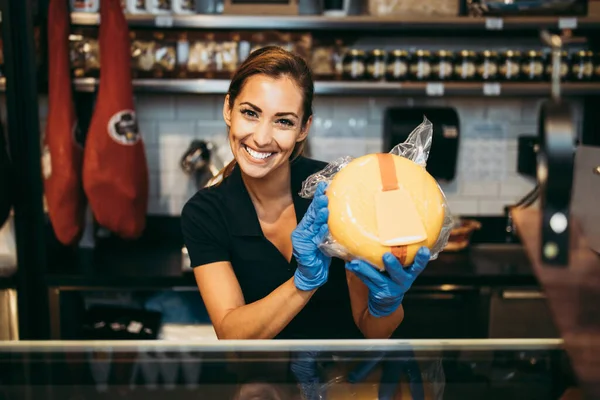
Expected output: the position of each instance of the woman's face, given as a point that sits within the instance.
(265, 123)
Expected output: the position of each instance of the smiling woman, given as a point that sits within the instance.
(253, 241)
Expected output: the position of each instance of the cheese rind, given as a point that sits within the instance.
(353, 214)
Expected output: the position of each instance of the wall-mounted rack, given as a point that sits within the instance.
(335, 88)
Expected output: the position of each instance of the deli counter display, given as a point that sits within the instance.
(273, 369)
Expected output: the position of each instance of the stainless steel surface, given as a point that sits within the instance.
(432, 296)
(522, 294)
(9, 318)
(368, 345)
(220, 86)
(332, 23)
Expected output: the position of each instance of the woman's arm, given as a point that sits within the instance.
(232, 318)
(370, 326)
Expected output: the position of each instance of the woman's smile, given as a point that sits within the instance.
(256, 156)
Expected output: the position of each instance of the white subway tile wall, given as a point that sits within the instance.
(486, 178)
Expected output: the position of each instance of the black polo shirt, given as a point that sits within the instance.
(220, 224)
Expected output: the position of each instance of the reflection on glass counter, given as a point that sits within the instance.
(336, 370)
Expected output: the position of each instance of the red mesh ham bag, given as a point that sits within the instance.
(62, 155)
(115, 173)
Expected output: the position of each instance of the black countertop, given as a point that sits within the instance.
(160, 266)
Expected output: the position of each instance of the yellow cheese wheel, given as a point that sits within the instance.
(352, 195)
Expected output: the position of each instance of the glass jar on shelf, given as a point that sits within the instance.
(532, 66)
(487, 66)
(442, 65)
(510, 65)
(354, 65)
(420, 65)
(464, 66)
(582, 66)
(375, 65)
(397, 66)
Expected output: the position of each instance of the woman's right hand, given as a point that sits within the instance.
(313, 265)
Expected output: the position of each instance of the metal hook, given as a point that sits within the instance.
(556, 43)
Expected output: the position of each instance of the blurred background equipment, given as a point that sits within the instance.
(197, 161)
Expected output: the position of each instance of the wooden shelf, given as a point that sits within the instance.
(335, 88)
(360, 23)
(341, 88)
(217, 86)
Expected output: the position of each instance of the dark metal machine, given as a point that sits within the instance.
(556, 155)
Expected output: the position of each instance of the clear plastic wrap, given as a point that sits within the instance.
(353, 211)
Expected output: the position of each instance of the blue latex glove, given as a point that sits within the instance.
(304, 367)
(313, 265)
(387, 289)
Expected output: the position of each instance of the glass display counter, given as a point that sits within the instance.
(334, 370)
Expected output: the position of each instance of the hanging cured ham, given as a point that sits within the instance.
(62, 154)
(115, 172)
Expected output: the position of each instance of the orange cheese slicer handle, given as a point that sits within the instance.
(387, 171)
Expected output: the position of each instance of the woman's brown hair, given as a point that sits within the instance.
(274, 62)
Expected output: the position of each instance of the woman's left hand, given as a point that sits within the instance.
(386, 290)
